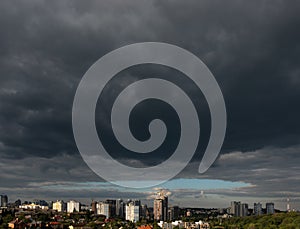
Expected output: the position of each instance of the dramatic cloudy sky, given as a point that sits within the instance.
(251, 47)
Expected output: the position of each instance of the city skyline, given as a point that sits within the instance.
(118, 207)
(135, 214)
(251, 47)
(160, 206)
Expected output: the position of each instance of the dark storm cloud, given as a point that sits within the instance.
(47, 47)
(252, 48)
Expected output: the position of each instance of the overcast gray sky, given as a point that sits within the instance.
(251, 47)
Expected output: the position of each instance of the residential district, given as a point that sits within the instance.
(118, 213)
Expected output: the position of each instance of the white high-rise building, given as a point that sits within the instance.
(73, 206)
(103, 209)
(132, 212)
(59, 206)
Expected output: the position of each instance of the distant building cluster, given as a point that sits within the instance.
(131, 210)
(238, 208)
(127, 211)
(180, 224)
(241, 209)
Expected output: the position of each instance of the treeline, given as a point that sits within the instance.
(276, 221)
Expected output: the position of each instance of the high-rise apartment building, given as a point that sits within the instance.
(270, 208)
(235, 208)
(59, 206)
(103, 208)
(112, 206)
(132, 211)
(243, 209)
(120, 208)
(94, 207)
(173, 213)
(160, 207)
(4, 201)
(144, 212)
(238, 209)
(257, 209)
(73, 206)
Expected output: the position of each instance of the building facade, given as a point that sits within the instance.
(270, 208)
(59, 206)
(243, 209)
(103, 208)
(173, 213)
(73, 206)
(4, 201)
(160, 207)
(257, 209)
(112, 206)
(94, 207)
(120, 208)
(238, 209)
(132, 211)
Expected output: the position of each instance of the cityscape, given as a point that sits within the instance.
(119, 213)
(150, 114)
